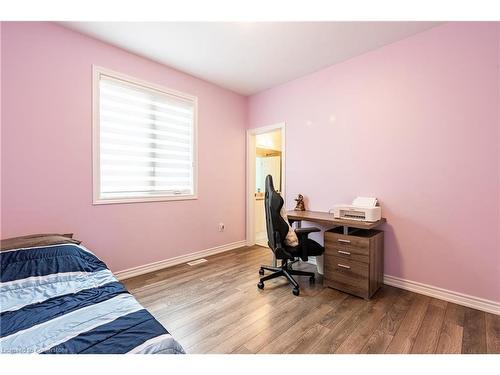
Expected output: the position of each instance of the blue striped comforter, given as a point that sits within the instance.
(63, 299)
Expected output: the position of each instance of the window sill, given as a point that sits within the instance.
(100, 201)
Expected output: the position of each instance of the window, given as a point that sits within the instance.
(144, 141)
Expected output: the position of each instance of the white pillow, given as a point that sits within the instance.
(291, 238)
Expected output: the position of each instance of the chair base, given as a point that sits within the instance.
(284, 271)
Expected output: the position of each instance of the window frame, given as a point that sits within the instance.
(97, 71)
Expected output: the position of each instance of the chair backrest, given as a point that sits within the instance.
(274, 221)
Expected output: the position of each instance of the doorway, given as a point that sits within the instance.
(265, 155)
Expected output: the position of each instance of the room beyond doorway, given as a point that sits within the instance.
(265, 156)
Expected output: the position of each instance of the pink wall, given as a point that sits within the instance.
(1, 122)
(416, 124)
(46, 152)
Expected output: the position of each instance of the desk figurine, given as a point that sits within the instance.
(300, 203)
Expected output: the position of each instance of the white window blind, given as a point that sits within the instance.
(146, 142)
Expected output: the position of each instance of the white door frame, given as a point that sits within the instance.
(250, 188)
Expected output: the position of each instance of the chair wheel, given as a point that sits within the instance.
(260, 285)
(312, 279)
(261, 271)
(295, 291)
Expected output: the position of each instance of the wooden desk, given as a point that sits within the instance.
(354, 252)
(328, 220)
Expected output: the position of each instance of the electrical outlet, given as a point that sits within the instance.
(221, 227)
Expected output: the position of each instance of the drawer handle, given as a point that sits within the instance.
(342, 240)
(344, 266)
(343, 252)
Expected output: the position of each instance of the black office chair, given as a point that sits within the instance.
(277, 229)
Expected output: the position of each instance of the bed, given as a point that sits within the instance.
(63, 299)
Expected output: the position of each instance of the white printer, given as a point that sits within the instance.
(362, 209)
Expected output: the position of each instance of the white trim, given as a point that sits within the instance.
(161, 198)
(155, 266)
(312, 260)
(250, 175)
(96, 199)
(250, 190)
(443, 294)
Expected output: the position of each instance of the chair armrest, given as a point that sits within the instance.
(306, 230)
(303, 233)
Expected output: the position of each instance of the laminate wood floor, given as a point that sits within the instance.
(216, 307)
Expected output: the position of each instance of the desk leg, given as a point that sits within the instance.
(346, 230)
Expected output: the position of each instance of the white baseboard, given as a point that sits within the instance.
(312, 260)
(151, 267)
(446, 295)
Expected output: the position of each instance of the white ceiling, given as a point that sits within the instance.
(248, 57)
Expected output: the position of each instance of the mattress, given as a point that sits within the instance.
(62, 299)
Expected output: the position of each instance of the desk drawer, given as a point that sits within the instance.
(345, 252)
(361, 244)
(348, 275)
